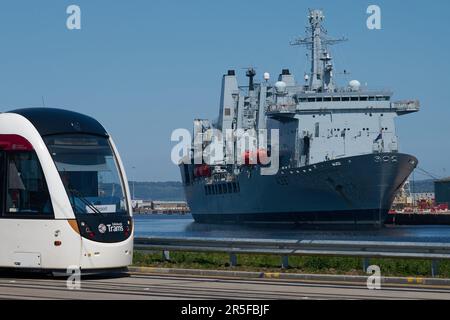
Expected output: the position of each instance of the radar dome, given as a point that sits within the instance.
(280, 86)
(355, 85)
(266, 76)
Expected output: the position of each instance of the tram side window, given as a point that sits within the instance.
(27, 192)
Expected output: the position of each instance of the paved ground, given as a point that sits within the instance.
(157, 286)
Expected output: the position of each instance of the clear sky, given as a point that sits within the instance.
(144, 68)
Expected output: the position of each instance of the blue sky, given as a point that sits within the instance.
(144, 68)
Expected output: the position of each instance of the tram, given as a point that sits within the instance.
(64, 195)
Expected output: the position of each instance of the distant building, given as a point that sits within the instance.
(170, 206)
(149, 206)
(418, 196)
(442, 191)
(136, 203)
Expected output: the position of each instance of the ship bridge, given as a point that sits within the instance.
(341, 102)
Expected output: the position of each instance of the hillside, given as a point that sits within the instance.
(166, 191)
(422, 186)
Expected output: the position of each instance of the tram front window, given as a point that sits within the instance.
(89, 171)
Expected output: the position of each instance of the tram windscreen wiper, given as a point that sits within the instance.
(80, 196)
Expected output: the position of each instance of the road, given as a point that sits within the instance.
(157, 286)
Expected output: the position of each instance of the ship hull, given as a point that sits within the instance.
(352, 190)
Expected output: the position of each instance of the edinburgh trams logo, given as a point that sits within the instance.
(101, 228)
(111, 227)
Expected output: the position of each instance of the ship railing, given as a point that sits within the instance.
(435, 252)
(281, 108)
(406, 105)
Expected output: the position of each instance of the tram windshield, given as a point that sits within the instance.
(88, 168)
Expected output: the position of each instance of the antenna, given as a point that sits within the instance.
(317, 41)
(43, 102)
(251, 73)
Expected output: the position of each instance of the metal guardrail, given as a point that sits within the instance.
(285, 248)
(407, 105)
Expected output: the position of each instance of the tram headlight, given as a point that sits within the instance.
(87, 230)
(127, 228)
(126, 231)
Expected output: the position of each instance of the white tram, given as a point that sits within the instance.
(64, 195)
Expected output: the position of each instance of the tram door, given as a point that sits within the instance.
(28, 229)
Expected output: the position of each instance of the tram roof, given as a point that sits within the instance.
(50, 121)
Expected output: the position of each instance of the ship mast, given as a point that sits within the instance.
(321, 76)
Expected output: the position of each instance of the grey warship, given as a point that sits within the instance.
(339, 161)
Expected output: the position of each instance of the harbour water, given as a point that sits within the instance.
(184, 226)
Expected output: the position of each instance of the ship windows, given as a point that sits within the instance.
(319, 99)
(317, 130)
(222, 188)
(227, 111)
(364, 98)
(345, 98)
(354, 98)
(311, 99)
(327, 99)
(371, 98)
(336, 98)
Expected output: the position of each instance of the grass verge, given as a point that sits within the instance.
(297, 264)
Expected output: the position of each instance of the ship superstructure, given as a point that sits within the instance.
(339, 159)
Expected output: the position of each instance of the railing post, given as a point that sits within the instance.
(166, 255)
(434, 268)
(365, 264)
(284, 262)
(233, 260)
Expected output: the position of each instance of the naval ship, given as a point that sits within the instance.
(338, 156)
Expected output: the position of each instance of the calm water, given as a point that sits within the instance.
(184, 226)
